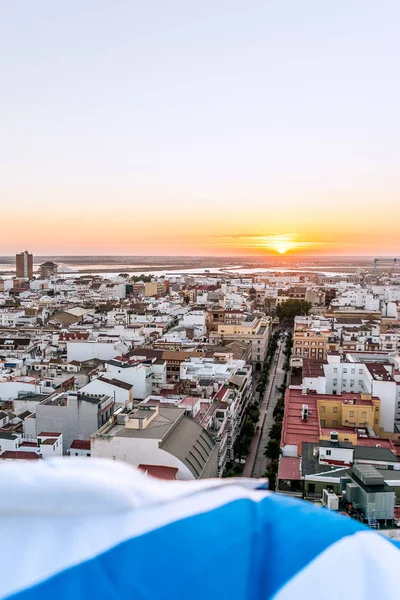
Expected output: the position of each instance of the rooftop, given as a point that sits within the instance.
(19, 455)
(330, 444)
(295, 430)
(159, 471)
(80, 445)
(289, 468)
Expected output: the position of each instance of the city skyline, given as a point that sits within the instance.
(229, 129)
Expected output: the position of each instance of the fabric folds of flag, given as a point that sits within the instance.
(79, 528)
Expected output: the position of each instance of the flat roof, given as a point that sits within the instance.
(313, 368)
(295, 430)
(289, 468)
(156, 429)
(330, 444)
(19, 455)
(159, 471)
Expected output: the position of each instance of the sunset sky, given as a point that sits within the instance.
(219, 127)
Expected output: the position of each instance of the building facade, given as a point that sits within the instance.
(24, 265)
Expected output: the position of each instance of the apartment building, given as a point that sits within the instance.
(24, 265)
(74, 414)
(311, 341)
(154, 288)
(252, 328)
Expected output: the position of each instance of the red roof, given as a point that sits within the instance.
(372, 442)
(190, 401)
(289, 468)
(161, 472)
(70, 336)
(20, 455)
(220, 395)
(81, 445)
(295, 431)
(49, 434)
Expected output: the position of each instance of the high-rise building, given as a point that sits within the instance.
(24, 265)
(48, 269)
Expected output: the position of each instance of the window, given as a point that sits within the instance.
(334, 423)
(344, 370)
(344, 381)
(351, 413)
(322, 421)
(328, 452)
(353, 371)
(360, 371)
(322, 409)
(335, 370)
(364, 415)
(313, 343)
(335, 382)
(351, 382)
(360, 382)
(335, 409)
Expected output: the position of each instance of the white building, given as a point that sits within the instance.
(77, 416)
(121, 391)
(89, 349)
(146, 375)
(158, 436)
(361, 373)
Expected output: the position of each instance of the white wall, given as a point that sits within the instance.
(136, 451)
(387, 392)
(120, 395)
(9, 389)
(315, 383)
(136, 375)
(21, 405)
(87, 350)
(78, 452)
(8, 444)
(51, 451)
(344, 455)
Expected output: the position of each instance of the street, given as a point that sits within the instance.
(256, 463)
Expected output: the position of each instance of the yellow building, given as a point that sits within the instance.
(353, 411)
(313, 343)
(154, 288)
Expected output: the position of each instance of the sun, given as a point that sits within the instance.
(280, 243)
(282, 249)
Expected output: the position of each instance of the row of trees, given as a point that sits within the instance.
(272, 449)
(264, 378)
(136, 278)
(288, 310)
(241, 447)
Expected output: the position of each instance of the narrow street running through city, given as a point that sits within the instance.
(256, 463)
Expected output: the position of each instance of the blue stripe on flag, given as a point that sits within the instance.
(243, 549)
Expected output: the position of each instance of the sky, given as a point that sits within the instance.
(223, 127)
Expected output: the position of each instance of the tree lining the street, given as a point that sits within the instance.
(288, 310)
(272, 449)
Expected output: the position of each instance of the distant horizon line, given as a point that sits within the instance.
(231, 256)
